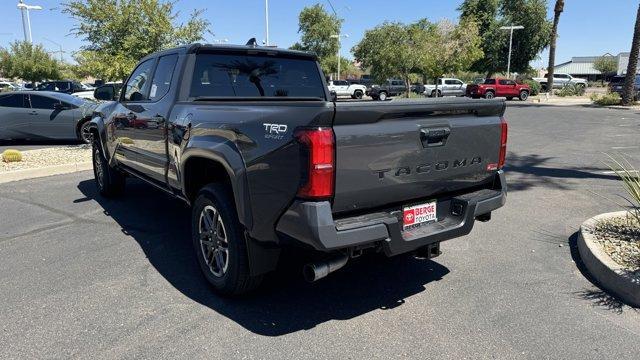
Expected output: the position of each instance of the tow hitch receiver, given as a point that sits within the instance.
(429, 251)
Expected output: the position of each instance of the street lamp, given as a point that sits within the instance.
(26, 22)
(266, 21)
(510, 28)
(339, 36)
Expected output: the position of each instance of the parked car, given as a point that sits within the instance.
(8, 86)
(417, 88)
(344, 88)
(617, 85)
(260, 173)
(28, 115)
(63, 86)
(90, 94)
(392, 87)
(446, 87)
(498, 87)
(561, 80)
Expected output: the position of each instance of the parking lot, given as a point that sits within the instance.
(82, 276)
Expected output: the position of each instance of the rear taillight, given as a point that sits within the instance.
(318, 147)
(503, 142)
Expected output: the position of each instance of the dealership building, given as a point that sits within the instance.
(582, 66)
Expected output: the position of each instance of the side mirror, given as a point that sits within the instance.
(105, 92)
(334, 95)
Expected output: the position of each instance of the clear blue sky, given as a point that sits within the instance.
(587, 27)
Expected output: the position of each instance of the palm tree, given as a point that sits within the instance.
(552, 45)
(629, 94)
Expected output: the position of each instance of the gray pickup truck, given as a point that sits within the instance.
(250, 138)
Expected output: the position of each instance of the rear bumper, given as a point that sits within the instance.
(312, 223)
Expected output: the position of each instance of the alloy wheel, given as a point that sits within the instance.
(213, 241)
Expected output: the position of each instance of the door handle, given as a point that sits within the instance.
(434, 137)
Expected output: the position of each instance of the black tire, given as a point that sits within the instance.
(234, 277)
(382, 96)
(543, 87)
(524, 95)
(433, 93)
(489, 95)
(358, 94)
(509, 98)
(110, 181)
(84, 132)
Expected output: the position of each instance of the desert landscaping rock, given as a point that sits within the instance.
(33, 159)
(595, 245)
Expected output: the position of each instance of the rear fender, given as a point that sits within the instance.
(224, 152)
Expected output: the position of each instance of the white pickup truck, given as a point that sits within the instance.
(561, 80)
(446, 87)
(343, 88)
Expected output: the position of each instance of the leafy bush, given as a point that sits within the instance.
(606, 99)
(571, 90)
(11, 155)
(631, 180)
(534, 86)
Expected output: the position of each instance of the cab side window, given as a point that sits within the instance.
(162, 77)
(137, 87)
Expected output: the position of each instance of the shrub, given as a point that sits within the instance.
(534, 86)
(571, 90)
(606, 99)
(631, 180)
(11, 155)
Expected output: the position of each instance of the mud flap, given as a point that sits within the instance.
(263, 258)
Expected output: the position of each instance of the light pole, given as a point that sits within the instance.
(26, 22)
(510, 28)
(339, 36)
(59, 45)
(266, 21)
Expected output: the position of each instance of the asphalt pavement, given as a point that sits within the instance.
(82, 276)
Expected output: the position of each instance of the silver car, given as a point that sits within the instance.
(31, 115)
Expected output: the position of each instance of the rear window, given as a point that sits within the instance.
(617, 79)
(255, 76)
(490, 81)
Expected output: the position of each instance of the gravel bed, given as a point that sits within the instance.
(620, 239)
(40, 158)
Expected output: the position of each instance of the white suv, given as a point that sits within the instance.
(343, 88)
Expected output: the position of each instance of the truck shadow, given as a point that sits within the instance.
(285, 303)
(528, 171)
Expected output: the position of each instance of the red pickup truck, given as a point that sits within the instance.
(498, 87)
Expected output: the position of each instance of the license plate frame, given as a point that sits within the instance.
(417, 215)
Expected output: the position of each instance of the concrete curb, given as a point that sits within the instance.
(610, 276)
(44, 171)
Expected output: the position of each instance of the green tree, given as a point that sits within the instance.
(453, 48)
(121, 32)
(316, 26)
(606, 64)
(394, 49)
(628, 96)
(490, 15)
(27, 61)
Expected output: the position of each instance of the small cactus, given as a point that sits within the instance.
(126, 140)
(11, 155)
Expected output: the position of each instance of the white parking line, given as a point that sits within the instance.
(624, 147)
(613, 172)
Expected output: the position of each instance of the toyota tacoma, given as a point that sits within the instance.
(250, 138)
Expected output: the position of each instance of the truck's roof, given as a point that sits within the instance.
(198, 48)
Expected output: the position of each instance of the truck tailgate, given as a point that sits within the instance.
(393, 152)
